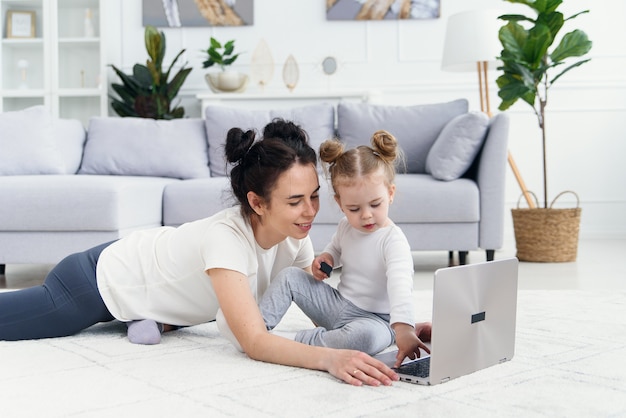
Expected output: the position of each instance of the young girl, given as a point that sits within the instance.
(372, 306)
(183, 276)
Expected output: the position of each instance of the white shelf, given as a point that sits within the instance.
(16, 93)
(65, 69)
(282, 98)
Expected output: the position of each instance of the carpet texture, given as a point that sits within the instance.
(570, 361)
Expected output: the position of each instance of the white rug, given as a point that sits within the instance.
(570, 361)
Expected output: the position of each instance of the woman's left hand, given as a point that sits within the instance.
(358, 368)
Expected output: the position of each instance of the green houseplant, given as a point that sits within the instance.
(148, 92)
(532, 61)
(223, 55)
(224, 58)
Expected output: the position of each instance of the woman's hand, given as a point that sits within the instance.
(357, 368)
(408, 342)
(244, 320)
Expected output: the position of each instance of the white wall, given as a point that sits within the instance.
(586, 116)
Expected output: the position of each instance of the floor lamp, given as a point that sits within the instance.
(472, 45)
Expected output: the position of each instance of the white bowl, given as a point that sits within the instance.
(227, 82)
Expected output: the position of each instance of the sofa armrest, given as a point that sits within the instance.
(491, 180)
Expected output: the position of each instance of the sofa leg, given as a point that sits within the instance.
(450, 258)
(490, 254)
(463, 257)
(2, 269)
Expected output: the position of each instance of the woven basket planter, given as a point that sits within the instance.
(547, 235)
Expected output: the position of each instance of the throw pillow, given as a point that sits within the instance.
(457, 146)
(146, 147)
(27, 143)
(415, 127)
(317, 120)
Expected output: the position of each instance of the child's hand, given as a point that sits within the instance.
(408, 343)
(316, 267)
(423, 330)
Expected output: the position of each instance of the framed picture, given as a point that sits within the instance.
(382, 9)
(184, 13)
(20, 24)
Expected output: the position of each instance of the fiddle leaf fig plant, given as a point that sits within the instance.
(220, 55)
(532, 62)
(148, 92)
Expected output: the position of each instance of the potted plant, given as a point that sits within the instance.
(531, 64)
(223, 56)
(148, 92)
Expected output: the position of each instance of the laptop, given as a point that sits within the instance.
(473, 323)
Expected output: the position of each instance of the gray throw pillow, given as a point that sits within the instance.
(146, 147)
(317, 120)
(415, 127)
(457, 146)
(27, 143)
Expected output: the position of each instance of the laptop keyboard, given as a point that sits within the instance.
(419, 368)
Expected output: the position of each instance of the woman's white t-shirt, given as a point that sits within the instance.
(160, 273)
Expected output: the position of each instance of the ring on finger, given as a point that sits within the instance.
(355, 372)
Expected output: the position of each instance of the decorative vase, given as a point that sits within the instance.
(89, 31)
(291, 73)
(227, 82)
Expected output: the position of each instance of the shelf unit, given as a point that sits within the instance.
(63, 66)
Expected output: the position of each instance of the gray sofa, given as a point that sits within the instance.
(65, 189)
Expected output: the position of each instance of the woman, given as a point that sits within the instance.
(182, 276)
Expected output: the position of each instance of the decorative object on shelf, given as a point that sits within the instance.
(262, 64)
(20, 24)
(382, 9)
(291, 73)
(527, 64)
(89, 31)
(226, 81)
(22, 66)
(147, 93)
(329, 65)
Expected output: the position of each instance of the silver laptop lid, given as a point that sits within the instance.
(474, 314)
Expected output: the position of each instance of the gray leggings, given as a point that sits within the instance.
(339, 323)
(67, 302)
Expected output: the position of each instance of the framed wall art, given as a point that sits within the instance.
(382, 9)
(20, 24)
(182, 13)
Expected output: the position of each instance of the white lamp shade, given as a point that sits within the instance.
(471, 37)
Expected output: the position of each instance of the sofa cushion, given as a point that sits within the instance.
(457, 145)
(415, 127)
(146, 147)
(190, 200)
(81, 203)
(27, 143)
(317, 120)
